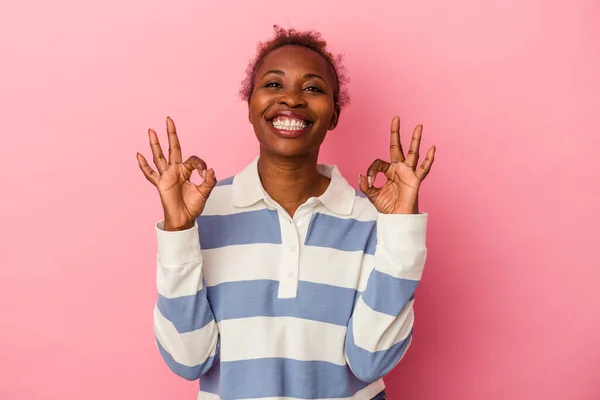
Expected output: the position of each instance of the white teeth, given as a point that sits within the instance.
(289, 124)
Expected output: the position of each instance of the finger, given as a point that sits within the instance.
(210, 180)
(412, 158)
(149, 173)
(158, 157)
(195, 163)
(396, 152)
(370, 191)
(376, 167)
(174, 147)
(424, 169)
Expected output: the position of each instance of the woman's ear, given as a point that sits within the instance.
(334, 118)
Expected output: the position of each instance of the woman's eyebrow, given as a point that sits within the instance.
(274, 71)
(306, 76)
(314, 76)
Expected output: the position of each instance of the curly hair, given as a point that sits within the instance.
(310, 39)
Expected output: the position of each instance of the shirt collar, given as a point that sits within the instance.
(339, 196)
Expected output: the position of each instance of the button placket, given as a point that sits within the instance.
(288, 283)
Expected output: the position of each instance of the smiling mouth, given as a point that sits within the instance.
(290, 124)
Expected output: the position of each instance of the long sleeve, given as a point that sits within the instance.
(184, 325)
(380, 329)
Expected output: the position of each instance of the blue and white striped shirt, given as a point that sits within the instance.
(257, 304)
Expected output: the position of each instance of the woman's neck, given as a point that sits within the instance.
(290, 181)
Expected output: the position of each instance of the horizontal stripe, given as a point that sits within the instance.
(364, 394)
(184, 371)
(331, 267)
(281, 377)
(225, 182)
(187, 313)
(242, 263)
(377, 331)
(367, 266)
(360, 194)
(207, 395)
(387, 294)
(405, 263)
(371, 366)
(260, 226)
(264, 261)
(211, 381)
(346, 234)
(314, 301)
(282, 337)
(191, 348)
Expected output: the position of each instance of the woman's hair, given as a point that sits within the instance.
(309, 39)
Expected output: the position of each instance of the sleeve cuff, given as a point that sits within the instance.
(405, 231)
(178, 247)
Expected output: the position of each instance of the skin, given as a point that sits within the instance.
(289, 79)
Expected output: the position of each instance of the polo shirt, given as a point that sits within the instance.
(255, 304)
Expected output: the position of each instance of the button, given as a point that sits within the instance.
(301, 224)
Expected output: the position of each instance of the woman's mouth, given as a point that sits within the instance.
(290, 127)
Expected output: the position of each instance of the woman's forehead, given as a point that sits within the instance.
(294, 58)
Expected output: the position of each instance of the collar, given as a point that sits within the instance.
(339, 196)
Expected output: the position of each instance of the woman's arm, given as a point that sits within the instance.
(381, 327)
(184, 325)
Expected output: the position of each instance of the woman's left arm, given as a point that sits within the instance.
(380, 329)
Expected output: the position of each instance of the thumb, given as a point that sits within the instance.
(208, 183)
(369, 190)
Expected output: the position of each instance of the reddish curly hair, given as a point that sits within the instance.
(310, 39)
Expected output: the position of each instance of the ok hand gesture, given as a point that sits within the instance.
(399, 195)
(182, 200)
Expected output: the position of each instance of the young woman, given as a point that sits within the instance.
(284, 281)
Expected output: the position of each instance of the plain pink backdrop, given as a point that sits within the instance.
(508, 91)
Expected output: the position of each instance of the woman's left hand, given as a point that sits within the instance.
(399, 195)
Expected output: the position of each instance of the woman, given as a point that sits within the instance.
(284, 281)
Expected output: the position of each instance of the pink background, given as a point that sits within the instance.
(507, 90)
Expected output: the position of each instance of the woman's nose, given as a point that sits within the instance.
(292, 98)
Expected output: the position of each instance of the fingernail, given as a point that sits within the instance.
(204, 174)
(359, 180)
(370, 180)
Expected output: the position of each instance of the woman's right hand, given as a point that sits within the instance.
(182, 200)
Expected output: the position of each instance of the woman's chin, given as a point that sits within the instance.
(287, 150)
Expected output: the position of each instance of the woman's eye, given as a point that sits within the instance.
(314, 89)
(273, 84)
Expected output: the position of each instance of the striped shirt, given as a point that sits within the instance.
(257, 304)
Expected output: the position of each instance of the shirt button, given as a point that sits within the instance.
(300, 224)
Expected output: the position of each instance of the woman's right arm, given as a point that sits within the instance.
(184, 325)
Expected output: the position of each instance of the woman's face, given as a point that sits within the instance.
(292, 107)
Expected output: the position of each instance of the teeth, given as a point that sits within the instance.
(289, 124)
